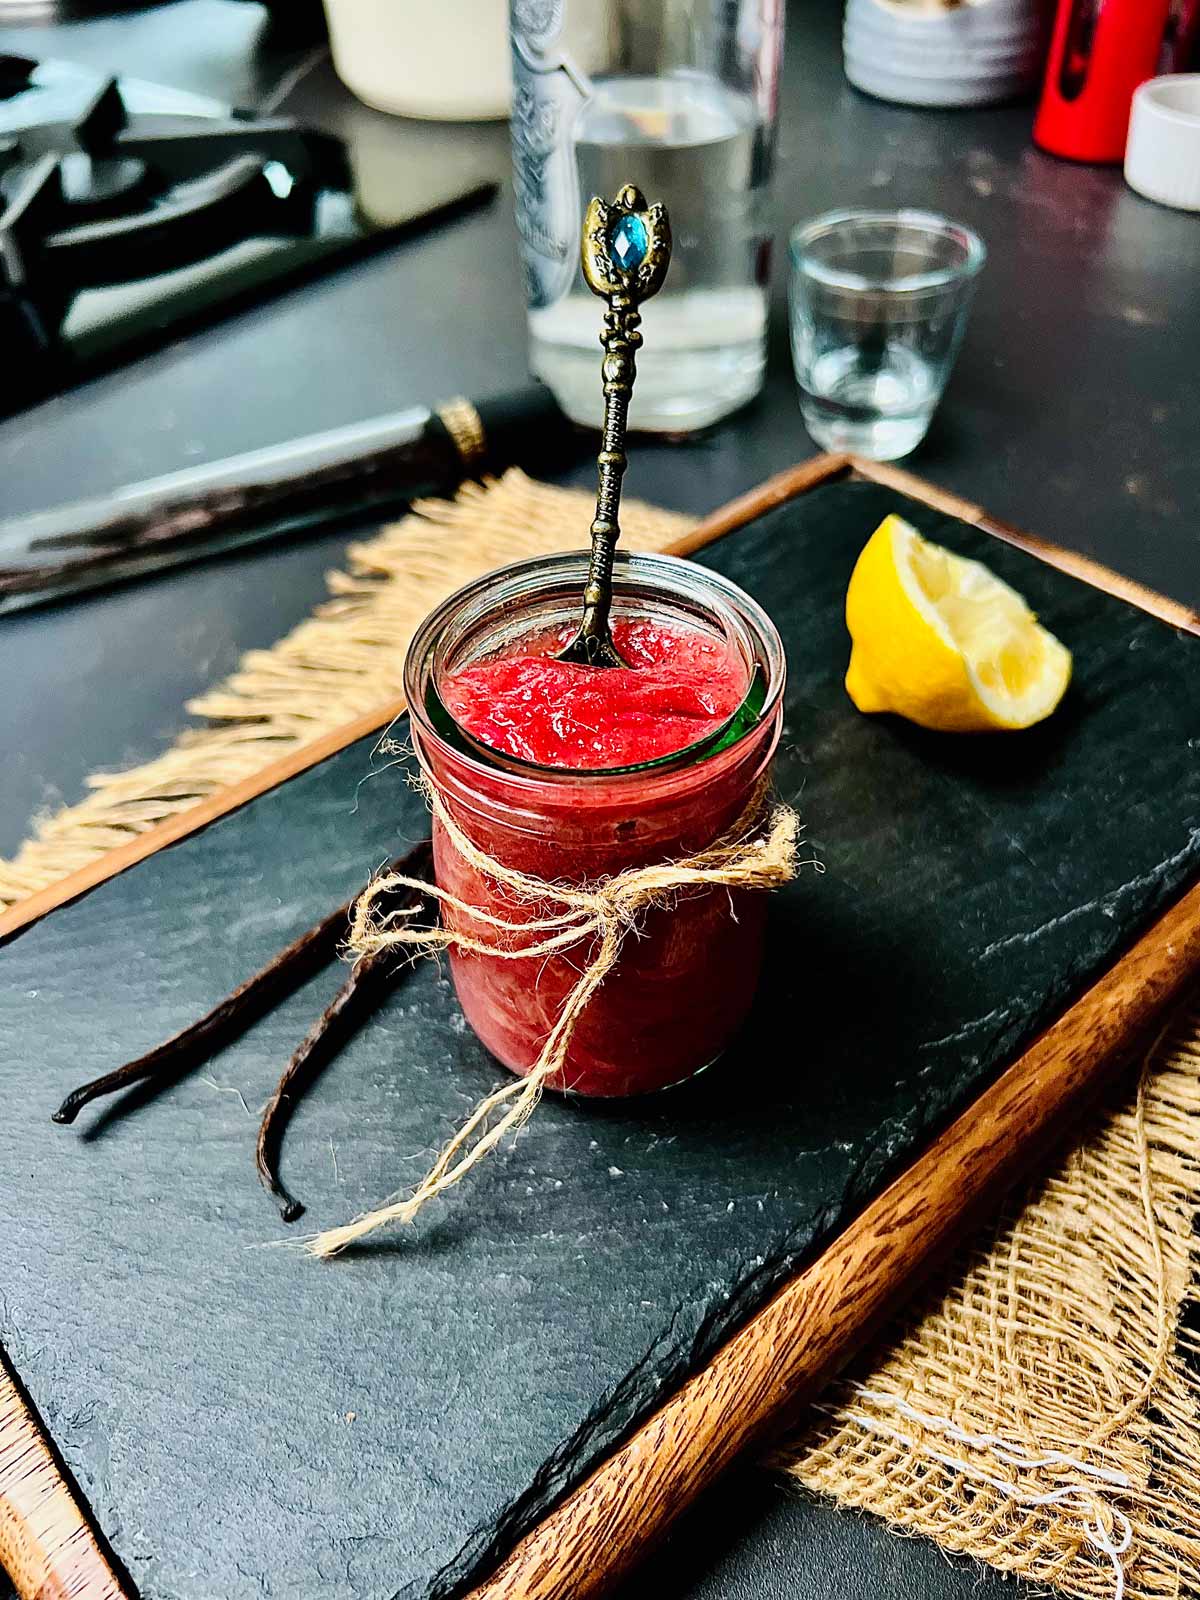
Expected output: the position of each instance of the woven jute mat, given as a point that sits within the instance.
(344, 660)
(1041, 1409)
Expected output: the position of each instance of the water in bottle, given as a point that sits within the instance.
(693, 143)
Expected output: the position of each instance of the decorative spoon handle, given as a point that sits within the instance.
(626, 249)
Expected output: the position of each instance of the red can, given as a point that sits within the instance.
(1100, 52)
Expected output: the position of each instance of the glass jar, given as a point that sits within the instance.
(684, 982)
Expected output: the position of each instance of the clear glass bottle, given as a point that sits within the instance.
(681, 988)
(680, 98)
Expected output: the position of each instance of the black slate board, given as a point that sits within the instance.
(246, 1422)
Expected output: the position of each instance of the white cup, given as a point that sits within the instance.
(1162, 157)
(443, 59)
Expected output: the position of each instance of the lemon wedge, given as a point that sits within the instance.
(943, 641)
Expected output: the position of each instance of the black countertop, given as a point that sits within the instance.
(1071, 413)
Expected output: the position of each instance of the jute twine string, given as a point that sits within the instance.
(758, 851)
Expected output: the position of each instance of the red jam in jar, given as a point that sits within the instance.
(679, 686)
(573, 774)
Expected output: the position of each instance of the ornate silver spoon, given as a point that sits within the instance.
(626, 249)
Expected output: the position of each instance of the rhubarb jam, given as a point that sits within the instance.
(574, 774)
(680, 686)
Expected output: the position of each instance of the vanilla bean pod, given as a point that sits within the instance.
(232, 1016)
(358, 996)
(225, 1022)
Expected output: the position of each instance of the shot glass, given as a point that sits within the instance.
(879, 301)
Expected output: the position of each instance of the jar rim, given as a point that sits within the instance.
(670, 576)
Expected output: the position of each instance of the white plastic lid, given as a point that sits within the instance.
(1162, 157)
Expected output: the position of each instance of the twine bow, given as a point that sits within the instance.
(757, 852)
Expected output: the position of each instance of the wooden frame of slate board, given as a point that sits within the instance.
(758, 1381)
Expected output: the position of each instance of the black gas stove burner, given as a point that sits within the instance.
(130, 211)
(108, 195)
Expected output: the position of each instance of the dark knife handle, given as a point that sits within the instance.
(288, 488)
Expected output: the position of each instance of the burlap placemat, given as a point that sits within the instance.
(1041, 1410)
(344, 660)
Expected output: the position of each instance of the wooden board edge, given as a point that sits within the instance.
(759, 1381)
(774, 491)
(214, 806)
(48, 1547)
